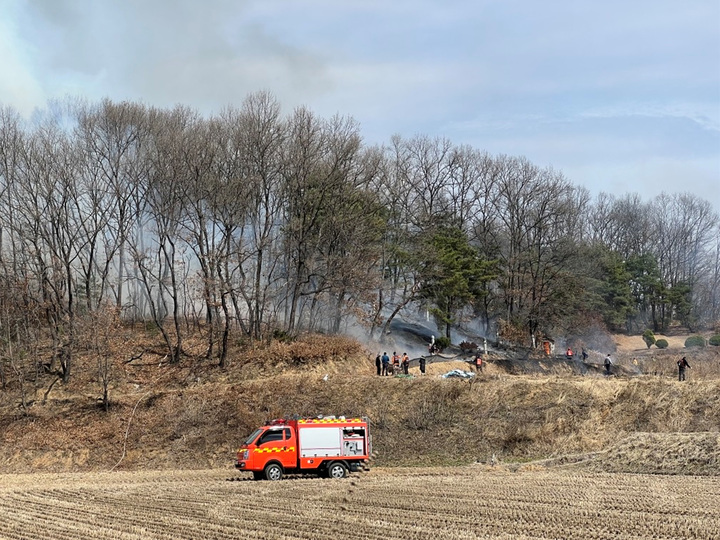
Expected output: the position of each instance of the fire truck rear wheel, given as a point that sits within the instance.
(273, 472)
(337, 470)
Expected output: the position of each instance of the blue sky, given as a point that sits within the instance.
(621, 96)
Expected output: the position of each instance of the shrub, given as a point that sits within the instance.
(442, 342)
(151, 328)
(661, 344)
(281, 336)
(715, 340)
(648, 338)
(695, 341)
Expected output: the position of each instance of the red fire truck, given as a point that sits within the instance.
(329, 446)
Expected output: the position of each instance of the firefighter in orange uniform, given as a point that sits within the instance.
(405, 363)
(478, 363)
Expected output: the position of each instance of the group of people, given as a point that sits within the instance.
(397, 364)
(682, 365)
(393, 366)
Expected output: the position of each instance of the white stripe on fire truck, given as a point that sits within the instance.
(330, 421)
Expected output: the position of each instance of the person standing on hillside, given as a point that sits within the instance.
(378, 363)
(422, 365)
(478, 363)
(395, 363)
(385, 363)
(608, 363)
(682, 364)
(405, 363)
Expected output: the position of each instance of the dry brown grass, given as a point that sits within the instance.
(309, 352)
(666, 453)
(420, 503)
(415, 421)
(193, 415)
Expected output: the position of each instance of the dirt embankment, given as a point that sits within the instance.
(195, 415)
(420, 421)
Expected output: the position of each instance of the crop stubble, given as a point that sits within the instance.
(428, 503)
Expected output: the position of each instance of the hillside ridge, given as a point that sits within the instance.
(194, 415)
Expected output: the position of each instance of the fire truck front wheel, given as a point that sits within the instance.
(337, 469)
(273, 471)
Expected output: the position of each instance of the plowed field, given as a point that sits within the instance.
(432, 503)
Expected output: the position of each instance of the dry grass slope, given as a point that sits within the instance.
(194, 415)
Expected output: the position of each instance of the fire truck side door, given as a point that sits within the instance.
(274, 446)
(269, 446)
(290, 452)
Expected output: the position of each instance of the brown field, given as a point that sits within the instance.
(470, 502)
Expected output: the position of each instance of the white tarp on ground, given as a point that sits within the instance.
(458, 373)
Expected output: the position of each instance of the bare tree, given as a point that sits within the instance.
(534, 244)
(111, 135)
(158, 268)
(100, 326)
(684, 225)
(12, 142)
(251, 173)
(318, 159)
(47, 224)
(197, 224)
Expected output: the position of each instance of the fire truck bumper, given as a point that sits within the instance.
(239, 464)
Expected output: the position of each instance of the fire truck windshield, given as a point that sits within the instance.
(252, 437)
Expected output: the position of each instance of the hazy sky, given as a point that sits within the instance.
(621, 96)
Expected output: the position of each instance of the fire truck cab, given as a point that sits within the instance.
(328, 446)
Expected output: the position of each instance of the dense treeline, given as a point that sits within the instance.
(251, 223)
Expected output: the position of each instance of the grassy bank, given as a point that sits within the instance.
(420, 421)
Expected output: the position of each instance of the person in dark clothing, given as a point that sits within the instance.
(422, 365)
(385, 363)
(682, 364)
(608, 363)
(378, 363)
(405, 363)
(584, 354)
